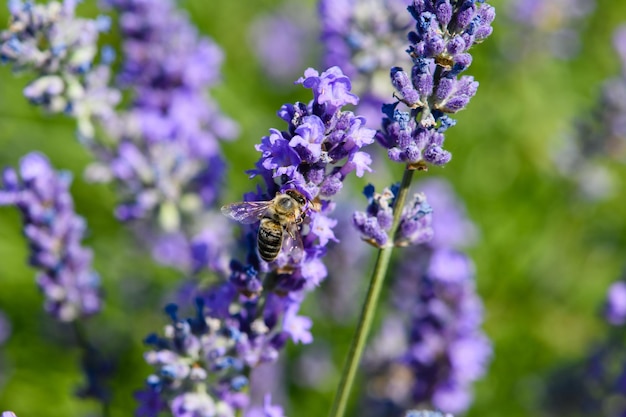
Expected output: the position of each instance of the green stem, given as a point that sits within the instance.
(371, 303)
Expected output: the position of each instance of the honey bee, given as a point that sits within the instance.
(280, 219)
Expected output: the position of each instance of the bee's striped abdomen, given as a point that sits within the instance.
(269, 239)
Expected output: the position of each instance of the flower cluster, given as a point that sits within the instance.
(444, 32)
(193, 355)
(54, 233)
(166, 157)
(366, 38)
(375, 223)
(444, 350)
(319, 149)
(49, 40)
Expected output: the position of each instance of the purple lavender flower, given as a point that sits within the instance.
(54, 232)
(320, 147)
(446, 351)
(374, 224)
(8, 414)
(435, 362)
(166, 158)
(49, 40)
(444, 32)
(197, 369)
(365, 39)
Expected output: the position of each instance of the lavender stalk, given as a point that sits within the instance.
(444, 32)
(371, 304)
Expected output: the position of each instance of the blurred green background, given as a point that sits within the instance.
(544, 259)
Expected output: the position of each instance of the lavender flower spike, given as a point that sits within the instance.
(49, 40)
(196, 368)
(444, 32)
(320, 147)
(54, 233)
(166, 157)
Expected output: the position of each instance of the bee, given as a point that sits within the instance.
(280, 219)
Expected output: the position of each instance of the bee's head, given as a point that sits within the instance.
(299, 198)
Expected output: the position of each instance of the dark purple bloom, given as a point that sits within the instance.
(54, 233)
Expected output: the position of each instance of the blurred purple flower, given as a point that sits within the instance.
(60, 48)
(452, 227)
(54, 233)
(599, 135)
(365, 39)
(346, 263)
(166, 157)
(8, 414)
(444, 350)
(556, 24)
(615, 308)
(284, 41)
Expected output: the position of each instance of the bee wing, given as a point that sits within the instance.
(246, 212)
(292, 243)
